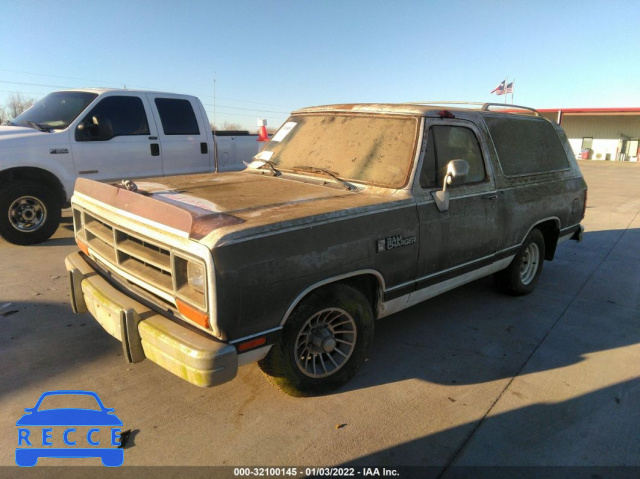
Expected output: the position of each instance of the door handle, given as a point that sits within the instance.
(155, 149)
(491, 196)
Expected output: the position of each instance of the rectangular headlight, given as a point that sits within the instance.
(190, 281)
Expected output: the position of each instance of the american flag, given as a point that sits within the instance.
(499, 90)
(509, 88)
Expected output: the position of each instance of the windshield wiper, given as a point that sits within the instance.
(38, 126)
(315, 169)
(269, 163)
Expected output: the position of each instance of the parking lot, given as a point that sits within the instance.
(469, 378)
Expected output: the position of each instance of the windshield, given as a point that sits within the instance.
(371, 149)
(56, 110)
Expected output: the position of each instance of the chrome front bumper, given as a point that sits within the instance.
(144, 333)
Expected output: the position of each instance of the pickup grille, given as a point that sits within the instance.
(153, 266)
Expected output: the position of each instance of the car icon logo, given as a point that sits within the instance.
(74, 427)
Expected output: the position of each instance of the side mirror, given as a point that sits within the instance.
(86, 131)
(94, 130)
(457, 171)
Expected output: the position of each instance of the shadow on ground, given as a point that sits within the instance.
(474, 334)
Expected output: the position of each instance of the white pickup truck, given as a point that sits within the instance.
(102, 134)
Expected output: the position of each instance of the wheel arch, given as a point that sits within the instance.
(550, 229)
(30, 173)
(369, 282)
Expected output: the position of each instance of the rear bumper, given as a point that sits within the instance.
(144, 333)
(577, 236)
(574, 233)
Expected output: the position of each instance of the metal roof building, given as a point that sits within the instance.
(600, 133)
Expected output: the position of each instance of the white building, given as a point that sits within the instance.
(609, 133)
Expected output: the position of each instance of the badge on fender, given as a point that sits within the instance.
(393, 242)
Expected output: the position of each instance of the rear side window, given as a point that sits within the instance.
(177, 117)
(527, 146)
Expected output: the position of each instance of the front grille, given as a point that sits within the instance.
(153, 265)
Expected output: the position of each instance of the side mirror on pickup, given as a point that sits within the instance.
(94, 130)
(457, 171)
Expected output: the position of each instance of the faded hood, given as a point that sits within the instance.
(204, 203)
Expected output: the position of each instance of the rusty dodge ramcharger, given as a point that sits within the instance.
(349, 214)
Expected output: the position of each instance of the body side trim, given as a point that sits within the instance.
(398, 304)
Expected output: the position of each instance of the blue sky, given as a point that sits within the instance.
(270, 57)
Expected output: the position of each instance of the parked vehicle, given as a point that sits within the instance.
(349, 214)
(102, 134)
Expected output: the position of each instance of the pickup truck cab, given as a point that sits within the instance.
(349, 214)
(102, 134)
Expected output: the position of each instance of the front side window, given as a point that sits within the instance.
(114, 116)
(446, 143)
(177, 117)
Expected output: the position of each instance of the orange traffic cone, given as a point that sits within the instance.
(262, 130)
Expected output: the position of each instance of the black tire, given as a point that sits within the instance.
(29, 212)
(521, 276)
(302, 362)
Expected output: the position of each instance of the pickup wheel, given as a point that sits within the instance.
(323, 344)
(29, 213)
(521, 276)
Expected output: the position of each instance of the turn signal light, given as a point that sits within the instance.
(83, 246)
(254, 343)
(193, 314)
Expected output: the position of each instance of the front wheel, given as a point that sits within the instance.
(521, 276)
(29, 213)
(323, 344)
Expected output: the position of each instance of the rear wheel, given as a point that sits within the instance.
(29, 213)
(323, 344)
(521, 276)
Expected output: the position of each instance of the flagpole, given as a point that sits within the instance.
(506, 82)
(513, 87)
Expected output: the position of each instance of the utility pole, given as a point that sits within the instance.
(214, 101)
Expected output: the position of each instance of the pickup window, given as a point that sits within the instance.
(446, 143)
(177, 117)
(375, 150)
(56, 110)
(114, 116)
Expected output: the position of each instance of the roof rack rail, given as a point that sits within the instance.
(443, 103)
(487, 107)
(483, 106)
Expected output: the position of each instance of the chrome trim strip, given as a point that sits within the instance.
(251, 336)
(398, 304)
(407, 202)
(555, 218)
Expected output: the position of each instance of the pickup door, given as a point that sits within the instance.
(185, 135)
(116, 139)
(464, 238)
